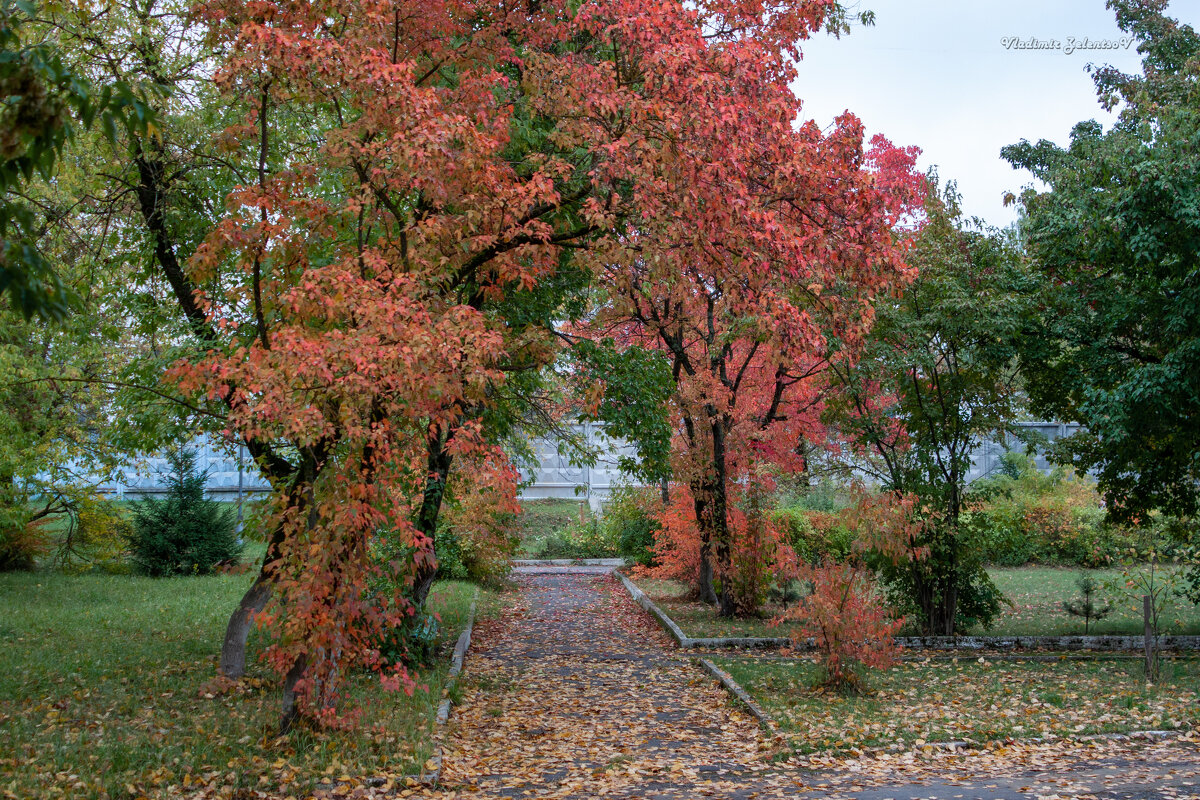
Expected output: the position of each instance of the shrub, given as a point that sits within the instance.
(852, 630)
(1023, 516)
(22, 542)
(587, 539)
(97, 539)
(630, 520)
(184, 533)
(814, 536)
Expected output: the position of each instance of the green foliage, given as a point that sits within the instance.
(587, 539)
(815, 536)
(1114, 340)
(449, 553)
(636, 385)
(44, 101)
(937, 379)
(184, 533)
(630, 520)
(97, 538)
(1022, 516)
(954, 569)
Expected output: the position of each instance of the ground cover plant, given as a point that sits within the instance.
(970, 699)
(1035, 596)
(106, 692)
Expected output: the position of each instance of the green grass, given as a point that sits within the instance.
(541, 517)
(970, 699)
(1036, 595)
(103, 694)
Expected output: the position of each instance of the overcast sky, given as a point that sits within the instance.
(937, 74)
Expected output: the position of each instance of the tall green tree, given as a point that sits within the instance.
(1115, 241)
(44, 100)
(936, 379)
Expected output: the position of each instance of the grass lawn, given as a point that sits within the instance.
(970, 699)
(1036, 595)
(541, 517)
(102, 695)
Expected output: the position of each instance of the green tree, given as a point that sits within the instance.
(46, 100)
(935, 380)
(184, 533)
(1115, 242)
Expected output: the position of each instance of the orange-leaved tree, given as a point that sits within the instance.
(757, 243)
(434, 183)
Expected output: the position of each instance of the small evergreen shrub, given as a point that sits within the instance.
(184, 533)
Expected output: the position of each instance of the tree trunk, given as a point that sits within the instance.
(700, 503)
(719, 511)
(233, 649)
(438, 462)
(291, 707)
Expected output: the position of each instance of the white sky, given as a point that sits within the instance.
(936, 74)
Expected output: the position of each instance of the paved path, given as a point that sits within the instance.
(574, 692)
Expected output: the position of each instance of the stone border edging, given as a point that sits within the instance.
(433, 775)
(734, 688)
(645, 602)
(963, 744)
(568, 562)
(1101, 643)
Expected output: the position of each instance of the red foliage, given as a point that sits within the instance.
(852, 630)
(761, 551)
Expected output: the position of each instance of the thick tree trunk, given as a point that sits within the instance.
(438, 462)
(233, 649)
(719, 510)
(700, 503)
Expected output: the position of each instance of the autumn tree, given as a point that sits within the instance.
(1115, 343)
(756, 241)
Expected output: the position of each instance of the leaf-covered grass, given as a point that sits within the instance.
(1036, 594)
(970, 700)
(103, 694)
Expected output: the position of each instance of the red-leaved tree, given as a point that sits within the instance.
(757, 242)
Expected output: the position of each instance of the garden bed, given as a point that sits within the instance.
(1035, 593)
(104, 692)
(972, 700)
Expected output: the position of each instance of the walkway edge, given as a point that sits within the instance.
(666, 622)
(734, 688)
(433, 774)
(1108, 643)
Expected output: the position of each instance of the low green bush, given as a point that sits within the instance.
(814, 535)
(630, 520)
(1023, 516)
(587, 539)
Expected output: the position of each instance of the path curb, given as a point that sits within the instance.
(432, 775)
(568, 562)
(666, 622)
(735, 689)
